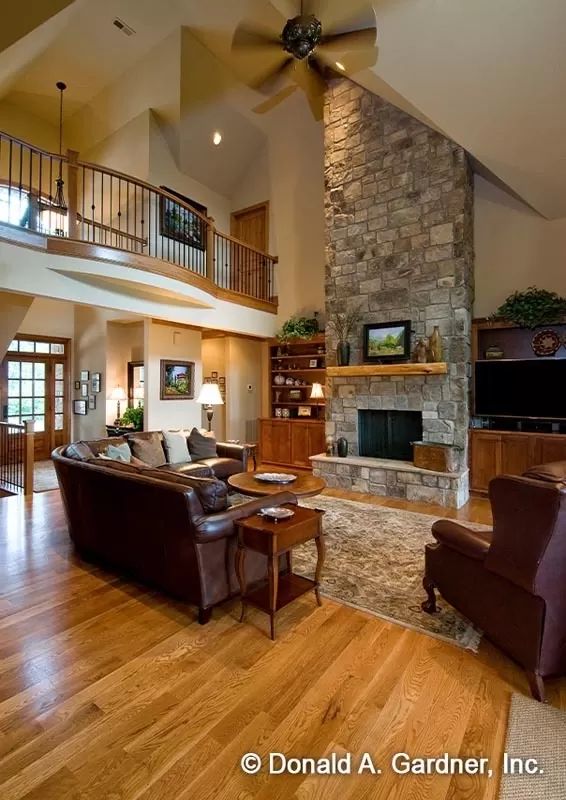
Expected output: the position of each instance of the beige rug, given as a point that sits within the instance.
(536, 731)
(44, 476)
(375, 561)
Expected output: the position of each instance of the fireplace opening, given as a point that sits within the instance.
(389, 434)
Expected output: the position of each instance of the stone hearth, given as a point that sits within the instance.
(399, 235)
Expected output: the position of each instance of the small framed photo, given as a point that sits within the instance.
(214, 376)
(84, 389)
(85, 374)
(313, 363)
(80, 408)
(222, 380)
(77, 386)
(304, 411)
(96, 382)
(92, 402)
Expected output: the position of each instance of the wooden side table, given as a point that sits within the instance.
(251, 448)
(275, 539)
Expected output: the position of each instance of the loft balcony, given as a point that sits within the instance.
(74, 208)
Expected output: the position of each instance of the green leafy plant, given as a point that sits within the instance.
(297, 328)
(532, 308)
(343, 323)
(133, 416)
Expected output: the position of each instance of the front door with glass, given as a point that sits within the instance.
(34, 385)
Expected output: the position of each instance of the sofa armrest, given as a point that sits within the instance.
(236, 451)
(217, 526)
(470, 543)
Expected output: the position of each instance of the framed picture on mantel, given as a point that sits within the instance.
(387, 342)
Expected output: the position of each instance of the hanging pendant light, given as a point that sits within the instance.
(59, 199)
(54, 219)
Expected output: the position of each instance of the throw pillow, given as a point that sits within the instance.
(80, 451)
(212, 493)
(148, 448)
(202, 444)
(119, 452)
(554, 472)
(176, 447)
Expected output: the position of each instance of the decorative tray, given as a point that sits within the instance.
(275, 477)
(276, 513)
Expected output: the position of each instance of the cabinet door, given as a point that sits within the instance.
(317, 440)
(300, 444)
(550, 448)
(486, 459)
(517, 454)
(275, 442)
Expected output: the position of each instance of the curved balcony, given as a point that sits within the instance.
(89, 211)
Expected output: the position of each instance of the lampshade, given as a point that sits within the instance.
(118, 394)
(317, 392)
(209, 395)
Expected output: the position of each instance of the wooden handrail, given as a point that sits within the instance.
(38, 150)
(233, 239)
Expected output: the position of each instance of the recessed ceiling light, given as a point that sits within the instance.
(341, 66)
(216, 138)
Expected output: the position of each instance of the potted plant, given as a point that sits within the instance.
(297, 328)
(133, 416)
(343, 324)
(532, 308)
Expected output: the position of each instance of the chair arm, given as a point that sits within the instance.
(229, 450)
(470, 543)
(211, 527)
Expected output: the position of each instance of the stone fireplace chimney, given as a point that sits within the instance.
(399, 236)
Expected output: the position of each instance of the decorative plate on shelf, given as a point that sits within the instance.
(276, 513)
(546, 343)
(275, 477)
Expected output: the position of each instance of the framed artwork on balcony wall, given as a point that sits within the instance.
(177, 380)
(178, 223)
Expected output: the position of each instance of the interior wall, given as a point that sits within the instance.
(243, 388)
(23, 124)
(515, 248)
(214, 360)
(13, 310)
(125, 150)
(90, 350)
(171, 342)
(49, 318)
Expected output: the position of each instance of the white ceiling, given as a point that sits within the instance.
(489, 73)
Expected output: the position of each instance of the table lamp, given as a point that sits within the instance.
(317, 393)
(210, 396)
(118, 395)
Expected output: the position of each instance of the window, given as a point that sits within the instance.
(14, 207)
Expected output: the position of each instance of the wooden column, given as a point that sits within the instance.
(72, 191)
(29, 456)
(210, 249)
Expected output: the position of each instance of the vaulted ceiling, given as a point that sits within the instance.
(491, 74)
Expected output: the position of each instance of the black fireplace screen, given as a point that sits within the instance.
(389, 434)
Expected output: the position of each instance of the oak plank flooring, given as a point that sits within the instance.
(108, 689)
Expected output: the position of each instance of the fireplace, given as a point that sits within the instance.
(389, 434)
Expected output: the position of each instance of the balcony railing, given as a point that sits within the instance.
(63, 196)
(16, 457)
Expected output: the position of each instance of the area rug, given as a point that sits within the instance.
(44, 476)
(375, 561)
(538, 731)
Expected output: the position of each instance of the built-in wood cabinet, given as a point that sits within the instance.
(509, 453)
(290, 442)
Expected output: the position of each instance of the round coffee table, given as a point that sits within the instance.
(306, 484)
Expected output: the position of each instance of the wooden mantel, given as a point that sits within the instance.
(377, 370)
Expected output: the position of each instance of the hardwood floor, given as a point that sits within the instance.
(108, 690)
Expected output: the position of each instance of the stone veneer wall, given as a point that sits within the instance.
(399, 235)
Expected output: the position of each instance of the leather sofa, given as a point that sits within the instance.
(511, 581)
(152, 524)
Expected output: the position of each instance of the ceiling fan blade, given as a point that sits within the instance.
(350, 40)
(351, 62)
(251, 36)
(308, 76)
(274, 101)
(268, 80)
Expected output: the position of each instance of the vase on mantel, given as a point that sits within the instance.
(343, 354)
(436, 345)
(342, 447)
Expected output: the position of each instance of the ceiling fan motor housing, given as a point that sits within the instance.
(301, 35)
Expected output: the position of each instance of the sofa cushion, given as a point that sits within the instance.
(212, 493)
(176, 447)
(118, 466)
(99, 446)
(202, 444)
(120, 452)
(189, 468)
(148, 447)
(79, 451)
(555, 472)
(223, 467)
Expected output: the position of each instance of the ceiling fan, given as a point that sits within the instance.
(307, 49)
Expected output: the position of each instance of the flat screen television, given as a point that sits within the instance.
(387, 342)
(529, 388)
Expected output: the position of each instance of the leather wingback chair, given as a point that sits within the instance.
(511, 581)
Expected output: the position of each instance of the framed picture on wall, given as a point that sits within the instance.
(96, 381)
(80, 407)
(85, 374)
(84, 389)
(77, 386)
(177, 380)
(92, 402)
(180, 223)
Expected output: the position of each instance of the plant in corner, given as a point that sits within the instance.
(297, 328)
(343, 324)
(133, 416)
(532, 308)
